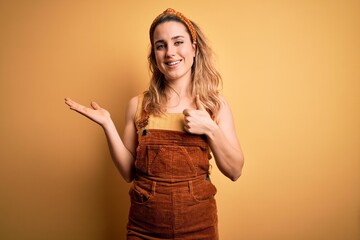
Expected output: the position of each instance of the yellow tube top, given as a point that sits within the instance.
(168, 121)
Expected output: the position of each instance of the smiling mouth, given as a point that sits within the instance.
(173, 63)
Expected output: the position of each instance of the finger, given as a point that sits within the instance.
(75, 106)
(68, 101)
(71, 103)
(186, 128)
(95, 106)
(186, 112)
(186, 120)
(199, 104)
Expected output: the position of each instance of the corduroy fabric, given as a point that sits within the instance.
(172, 196)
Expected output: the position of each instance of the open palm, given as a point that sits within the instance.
(95, 113)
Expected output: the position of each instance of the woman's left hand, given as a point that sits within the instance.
(198, 121)
(220, 135)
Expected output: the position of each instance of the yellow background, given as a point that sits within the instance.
(291, 73)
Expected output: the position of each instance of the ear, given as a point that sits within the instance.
(194, 46)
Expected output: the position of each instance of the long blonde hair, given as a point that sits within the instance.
(205, 78)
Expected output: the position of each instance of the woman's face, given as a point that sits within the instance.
(174, 51)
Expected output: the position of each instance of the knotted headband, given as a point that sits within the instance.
(181, 17)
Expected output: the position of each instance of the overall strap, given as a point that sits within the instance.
(141, 117)
(139, 107)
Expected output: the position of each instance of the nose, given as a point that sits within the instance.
(170, 51)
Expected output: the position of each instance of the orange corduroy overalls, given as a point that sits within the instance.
(172, 196)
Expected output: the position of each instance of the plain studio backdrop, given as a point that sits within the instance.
(291, 72)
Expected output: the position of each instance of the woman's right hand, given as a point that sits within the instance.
(95, 113)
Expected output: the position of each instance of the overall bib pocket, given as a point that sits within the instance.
(168, 161)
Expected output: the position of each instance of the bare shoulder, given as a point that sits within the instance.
(133, 102)
(132, 107)
(223, 101)
(224, 107)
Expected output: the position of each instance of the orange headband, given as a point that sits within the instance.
(183, 19)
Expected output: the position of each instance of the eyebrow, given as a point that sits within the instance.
(175, 37)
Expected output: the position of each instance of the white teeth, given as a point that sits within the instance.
(173, 63)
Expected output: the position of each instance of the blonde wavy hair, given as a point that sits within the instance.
(205, 78)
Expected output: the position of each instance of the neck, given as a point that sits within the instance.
(179, 88)
(179, 97)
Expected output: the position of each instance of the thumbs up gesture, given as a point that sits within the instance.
(197, 121)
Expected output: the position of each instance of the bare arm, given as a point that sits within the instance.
(221, 137)
(122, 151)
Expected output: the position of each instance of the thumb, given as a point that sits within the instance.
(199, 104)
(95, 106)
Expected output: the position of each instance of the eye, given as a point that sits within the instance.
(177, 43)
(160, 46)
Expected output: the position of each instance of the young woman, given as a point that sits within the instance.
(169, 133)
